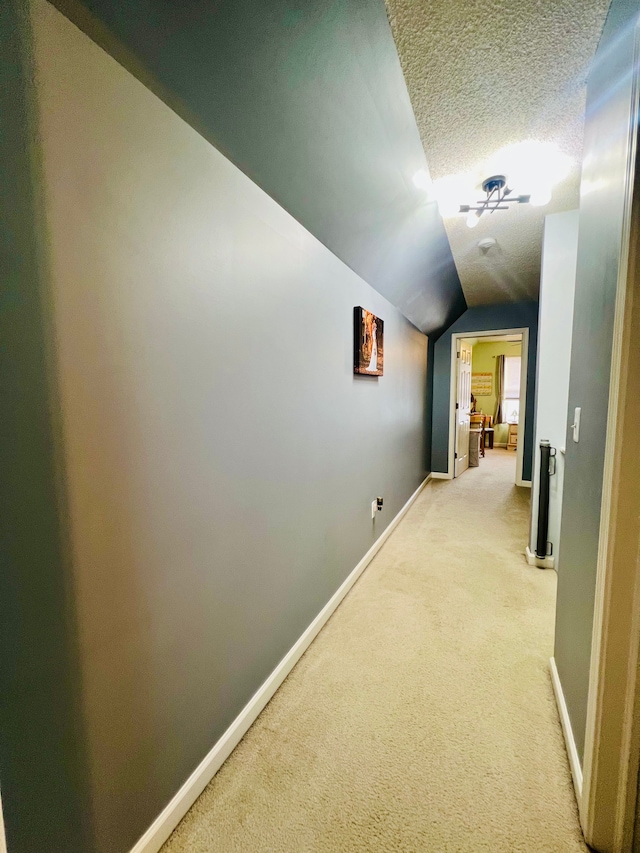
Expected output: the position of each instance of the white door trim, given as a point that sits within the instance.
(455, 337)
(3, 840)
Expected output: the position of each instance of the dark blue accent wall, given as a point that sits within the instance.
(515, 315)
(309, 100)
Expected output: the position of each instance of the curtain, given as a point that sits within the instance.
(499, 418)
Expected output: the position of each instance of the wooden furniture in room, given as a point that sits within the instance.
(488, 436)
(488, 431)
(512, 439)
(485, 424)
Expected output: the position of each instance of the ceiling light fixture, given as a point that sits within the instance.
(533, 167)
(498, 197)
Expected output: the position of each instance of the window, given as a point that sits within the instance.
(511, 394)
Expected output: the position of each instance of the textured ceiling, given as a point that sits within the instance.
(489, 73)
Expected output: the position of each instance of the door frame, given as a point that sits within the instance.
(455, 337)
(3, 840)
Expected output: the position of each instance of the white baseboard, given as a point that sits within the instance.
(438, 475)
(546, 563)
(172, 814)
(572, 752)
(526, 484)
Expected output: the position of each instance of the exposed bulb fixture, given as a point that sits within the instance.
(498, 197)
(533, 168)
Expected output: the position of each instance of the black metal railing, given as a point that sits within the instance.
(547, 469)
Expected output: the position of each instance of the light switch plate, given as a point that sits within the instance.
(575, 426)
(374, 508)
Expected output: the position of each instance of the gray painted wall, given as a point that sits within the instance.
(602, 201)
(481, 319)
(555, 323)
(219, 456)
(309, 100)
(42, 768)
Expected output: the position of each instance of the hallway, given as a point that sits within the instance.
(422, 718)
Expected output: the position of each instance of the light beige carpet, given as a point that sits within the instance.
(422, 718)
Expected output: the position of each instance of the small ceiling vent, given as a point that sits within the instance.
(486, 243)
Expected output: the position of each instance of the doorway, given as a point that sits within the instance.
(488, 397)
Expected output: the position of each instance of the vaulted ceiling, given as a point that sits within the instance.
(490, 75)
(309, 100)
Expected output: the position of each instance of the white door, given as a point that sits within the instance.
(463, 408)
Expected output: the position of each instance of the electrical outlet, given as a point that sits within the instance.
(374, 508)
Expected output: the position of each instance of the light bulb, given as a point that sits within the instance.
(540, 197)
(452, 191)
(472, 219)
(530, 163)
(448, 207)
(421, 180)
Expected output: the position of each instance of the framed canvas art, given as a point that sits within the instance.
(368, 339)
